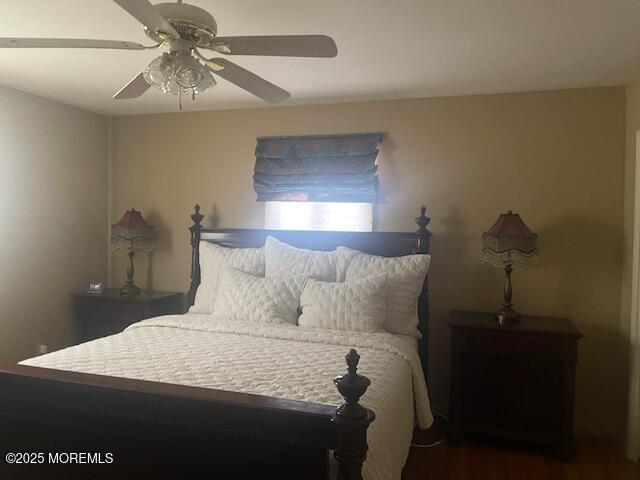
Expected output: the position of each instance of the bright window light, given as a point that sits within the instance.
(331, 216)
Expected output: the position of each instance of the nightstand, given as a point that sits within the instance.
(102, 314)
(514, 382)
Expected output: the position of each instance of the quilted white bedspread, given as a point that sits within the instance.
(279, 360)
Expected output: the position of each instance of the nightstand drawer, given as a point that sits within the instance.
(512, 394)
(546, 347)
(105, 311)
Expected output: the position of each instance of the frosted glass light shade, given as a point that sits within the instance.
(159, 73)
(178, 73)
(188, 71)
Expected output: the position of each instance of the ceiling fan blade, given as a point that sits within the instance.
(148, 16)
(133, 89)
(278, 46)
(247, 80)
(67, 43)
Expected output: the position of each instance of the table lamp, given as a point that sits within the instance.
(509, 242)
(134, 234)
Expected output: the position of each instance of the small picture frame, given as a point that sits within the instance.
(95, 288)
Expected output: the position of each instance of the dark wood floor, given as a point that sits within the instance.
(596, 460)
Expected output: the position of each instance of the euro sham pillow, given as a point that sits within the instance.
(213, 259)
(405, 277)
(245, 297)
(282, 259)
(357, 306)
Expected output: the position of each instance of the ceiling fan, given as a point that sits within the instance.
(184, 69)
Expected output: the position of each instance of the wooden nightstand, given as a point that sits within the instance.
(514, 382)
(109, 312)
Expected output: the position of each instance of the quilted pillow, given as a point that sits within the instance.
(282, 260)
(357, 306)
(245, 297)
(405, 277)
(213, 258)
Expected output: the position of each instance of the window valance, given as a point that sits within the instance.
(323, 168)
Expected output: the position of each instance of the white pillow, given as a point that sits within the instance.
(213, 258)
(282, 259)
(245, 297)
(358, 306)
(405, 277)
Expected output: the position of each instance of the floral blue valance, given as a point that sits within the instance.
(327, 168)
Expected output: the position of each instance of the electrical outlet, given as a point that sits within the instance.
(43, 349)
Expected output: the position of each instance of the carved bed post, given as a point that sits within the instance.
(352, 420)
(423, 235)
(195, 230)
(423, 245)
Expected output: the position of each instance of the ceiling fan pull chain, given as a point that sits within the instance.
(180, 100)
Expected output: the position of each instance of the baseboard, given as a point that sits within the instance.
(609, 431)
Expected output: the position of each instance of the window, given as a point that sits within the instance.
(332, 216)
(321, 182)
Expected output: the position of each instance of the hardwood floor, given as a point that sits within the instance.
(596, 460)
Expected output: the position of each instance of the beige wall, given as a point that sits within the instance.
(556, 157)
(53, 215)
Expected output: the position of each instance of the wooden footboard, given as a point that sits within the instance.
(63, 424)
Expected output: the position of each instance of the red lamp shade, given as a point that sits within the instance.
(509, 241)
(132, 232)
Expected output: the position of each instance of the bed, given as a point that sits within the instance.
(178, 393)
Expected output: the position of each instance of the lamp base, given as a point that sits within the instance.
(130, 289)
(507, 315)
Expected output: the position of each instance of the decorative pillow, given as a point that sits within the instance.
(213, 258)
(344, 256)
(405, 277)
(245, 297)
(358, 306)
(282, 260)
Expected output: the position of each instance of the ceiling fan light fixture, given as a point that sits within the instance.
(178, 73)
(188, 71)
(206, 83)
(159, 73)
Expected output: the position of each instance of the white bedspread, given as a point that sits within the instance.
(278, 360)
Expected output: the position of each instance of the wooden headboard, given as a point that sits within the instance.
(388, 244)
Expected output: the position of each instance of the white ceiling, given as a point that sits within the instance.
(386, 49)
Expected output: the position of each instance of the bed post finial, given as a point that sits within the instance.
(423, 235)
(352, 420)
(197, 217)
(195, 230)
